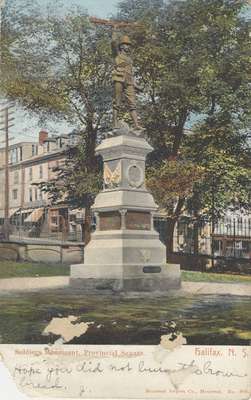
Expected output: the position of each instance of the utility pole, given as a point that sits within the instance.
(6, 116)
(2, 4)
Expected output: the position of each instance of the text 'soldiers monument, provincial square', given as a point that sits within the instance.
(125, 253)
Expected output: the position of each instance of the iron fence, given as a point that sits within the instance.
(227, 238)
(44, 224)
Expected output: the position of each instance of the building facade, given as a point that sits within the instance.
(31, 211)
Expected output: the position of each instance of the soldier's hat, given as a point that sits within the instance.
(125, 40)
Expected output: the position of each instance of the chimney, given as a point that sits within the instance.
(43, 135)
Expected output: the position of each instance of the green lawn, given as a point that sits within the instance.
(11, 269)
(202, 319)
(210, 277)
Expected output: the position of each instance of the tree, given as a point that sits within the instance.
(221, 150)
(174, 184)
(74, 184)
(58, 66)
(227, 180)
(192, 57)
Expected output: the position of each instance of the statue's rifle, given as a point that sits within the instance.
(113, 23)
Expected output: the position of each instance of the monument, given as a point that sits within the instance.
(125, 253)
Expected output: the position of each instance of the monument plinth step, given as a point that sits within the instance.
(126, 278)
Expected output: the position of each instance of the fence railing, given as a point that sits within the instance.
(229, 238)
(39, 226)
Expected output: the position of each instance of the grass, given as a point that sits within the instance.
(11, 269)
(202, 319)
(191, 276)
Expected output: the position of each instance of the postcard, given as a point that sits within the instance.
(125, 216)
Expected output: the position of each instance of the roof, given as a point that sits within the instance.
(11, 146)
(58, 153)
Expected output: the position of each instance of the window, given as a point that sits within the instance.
(35, 193)
(20, 153)
(14, 194)
(40, 171)
(11, 154)
(34, 149)
(40, 195)
(16, 177)
(30, 174)
(30, 194)
(14, 155)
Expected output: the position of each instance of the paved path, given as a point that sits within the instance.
(235, 289)
(29, 284)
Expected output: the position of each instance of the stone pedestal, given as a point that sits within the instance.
(125, 253)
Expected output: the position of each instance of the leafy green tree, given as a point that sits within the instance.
(224, 154)
(59, 66)
(171, 187)
(74, 184)
(192, 57)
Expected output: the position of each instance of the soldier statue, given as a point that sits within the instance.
(122, 75)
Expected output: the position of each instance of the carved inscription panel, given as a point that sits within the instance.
(138, 220)
(110, 220)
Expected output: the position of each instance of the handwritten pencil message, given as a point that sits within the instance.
(130, 371)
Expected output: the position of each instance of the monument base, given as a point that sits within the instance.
(126, 278)
(125, 254)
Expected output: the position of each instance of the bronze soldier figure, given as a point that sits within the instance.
(123, 78)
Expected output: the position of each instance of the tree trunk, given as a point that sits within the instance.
(196, 238)
(169, 235)
(91, 164)
(91, 139)
(171, 221)
(87, 225)
(179, 133)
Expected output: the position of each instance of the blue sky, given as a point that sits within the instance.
(99, 8)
